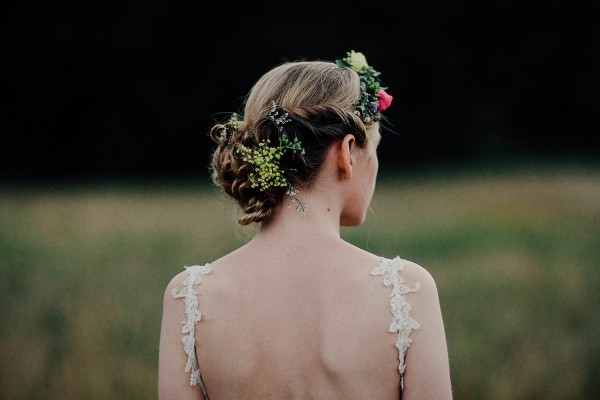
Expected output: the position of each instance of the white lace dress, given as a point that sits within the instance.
(402, 324)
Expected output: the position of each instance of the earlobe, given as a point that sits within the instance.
(345, 161)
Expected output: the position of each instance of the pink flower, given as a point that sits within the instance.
(384, 100)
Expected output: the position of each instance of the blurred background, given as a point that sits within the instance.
(490, 177)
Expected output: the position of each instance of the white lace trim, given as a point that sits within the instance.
(402, 322)
(193, 314)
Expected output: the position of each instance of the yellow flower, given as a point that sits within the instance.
(357, 61)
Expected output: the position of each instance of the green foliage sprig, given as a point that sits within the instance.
(266, 159)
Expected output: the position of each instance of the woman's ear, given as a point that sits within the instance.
(345, 156)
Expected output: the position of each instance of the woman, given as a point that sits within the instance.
(298, 313)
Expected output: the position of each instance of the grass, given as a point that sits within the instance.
(515, 256)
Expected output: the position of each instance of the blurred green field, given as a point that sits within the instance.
(515, 255)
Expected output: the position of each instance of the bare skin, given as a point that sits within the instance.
(295, 313)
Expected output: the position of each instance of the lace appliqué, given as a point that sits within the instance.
(193, 314)
(402, 323)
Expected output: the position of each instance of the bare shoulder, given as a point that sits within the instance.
(173, 302)
(427, 368)
(425, 304)
(173, 306)
(176, 283)
(415, 274)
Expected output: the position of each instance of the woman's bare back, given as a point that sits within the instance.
(307, 324)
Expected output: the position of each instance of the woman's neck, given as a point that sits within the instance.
(321, 221)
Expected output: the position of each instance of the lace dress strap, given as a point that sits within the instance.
(402, 323)
(193, 314)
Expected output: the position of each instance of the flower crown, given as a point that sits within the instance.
(373, 98)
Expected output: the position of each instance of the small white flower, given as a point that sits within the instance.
(357, 61)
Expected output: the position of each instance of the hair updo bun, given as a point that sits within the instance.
(319, 99)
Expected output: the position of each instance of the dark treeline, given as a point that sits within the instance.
(130, 88)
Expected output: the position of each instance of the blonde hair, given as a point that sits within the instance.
(319, 97)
